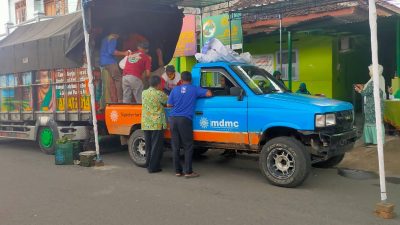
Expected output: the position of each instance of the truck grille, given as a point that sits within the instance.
(344, 120)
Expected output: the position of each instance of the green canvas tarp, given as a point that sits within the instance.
(51, 44)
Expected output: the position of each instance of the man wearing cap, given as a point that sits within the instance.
(277, 74)
(108, 53)
(137, 65)
(171, 79)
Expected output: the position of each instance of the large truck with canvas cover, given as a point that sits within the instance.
(44, 91)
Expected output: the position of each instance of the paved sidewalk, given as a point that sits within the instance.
(366, 158)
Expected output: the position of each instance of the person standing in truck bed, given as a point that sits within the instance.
(108, 53)
(137, 65)
(183, 100)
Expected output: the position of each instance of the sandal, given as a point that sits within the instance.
(192, 175)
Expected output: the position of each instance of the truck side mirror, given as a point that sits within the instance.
(237, 91)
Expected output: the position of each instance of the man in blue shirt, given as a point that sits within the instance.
(108, 53)
(183, 101)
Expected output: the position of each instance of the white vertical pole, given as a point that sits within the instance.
(91, 86)
(378, 110)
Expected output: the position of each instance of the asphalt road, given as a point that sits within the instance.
(230, 191)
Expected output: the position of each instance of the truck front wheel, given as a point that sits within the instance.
(285, 162)
(137, 148)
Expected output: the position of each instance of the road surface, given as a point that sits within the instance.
(230, 191)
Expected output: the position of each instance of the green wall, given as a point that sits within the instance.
(315, 58)
(350, 67)
(183, 63)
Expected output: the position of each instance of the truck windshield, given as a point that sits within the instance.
(259, 80)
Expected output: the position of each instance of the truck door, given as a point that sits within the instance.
(222, 118)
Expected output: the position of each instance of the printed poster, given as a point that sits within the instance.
(218, 27)
(71, 90)
(45, 91)
(265, 62)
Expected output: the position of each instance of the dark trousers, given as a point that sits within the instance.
(182, 135)
(154, 148)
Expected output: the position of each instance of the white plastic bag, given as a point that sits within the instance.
(215, 51)
(122, 63)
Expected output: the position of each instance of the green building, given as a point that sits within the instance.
(330, 42)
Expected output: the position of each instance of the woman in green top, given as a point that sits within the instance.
(367, 92)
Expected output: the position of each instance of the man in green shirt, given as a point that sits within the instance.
(154, 123)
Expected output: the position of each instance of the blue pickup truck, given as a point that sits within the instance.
(251, 112)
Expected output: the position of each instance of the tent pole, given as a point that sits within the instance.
(230, 29)
(290, 59)
(377, 99)
(201, 29)
(91, 86)
(383, 209)
(398, 46)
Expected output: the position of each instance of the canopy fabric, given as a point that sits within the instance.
(160, 24)
(46, 45)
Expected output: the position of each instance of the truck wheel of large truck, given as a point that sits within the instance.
(332, 162)
(47, 137)
(137, 148)
(285, 162)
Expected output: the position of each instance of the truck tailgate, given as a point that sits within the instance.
(120, 118)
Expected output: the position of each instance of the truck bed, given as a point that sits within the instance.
(120, 118)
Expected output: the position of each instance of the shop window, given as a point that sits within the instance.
(20, 11)
(54, 7)
(217, 81)
(295, 64)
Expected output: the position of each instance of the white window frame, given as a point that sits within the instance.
(295, 66)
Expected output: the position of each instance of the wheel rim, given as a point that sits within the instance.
(281, 163)
(139, 149)
(46, 137)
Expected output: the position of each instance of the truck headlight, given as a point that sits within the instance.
(330, 120)
(320, 121)
(325, 120)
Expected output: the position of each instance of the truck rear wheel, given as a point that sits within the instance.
(331, 162)
(137, 148)
(285, 162)
(47, 137)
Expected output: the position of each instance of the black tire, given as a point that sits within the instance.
(48, 147)
(331, 162)
(274, 159)
(136, 148)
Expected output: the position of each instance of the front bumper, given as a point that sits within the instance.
(326, 145)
